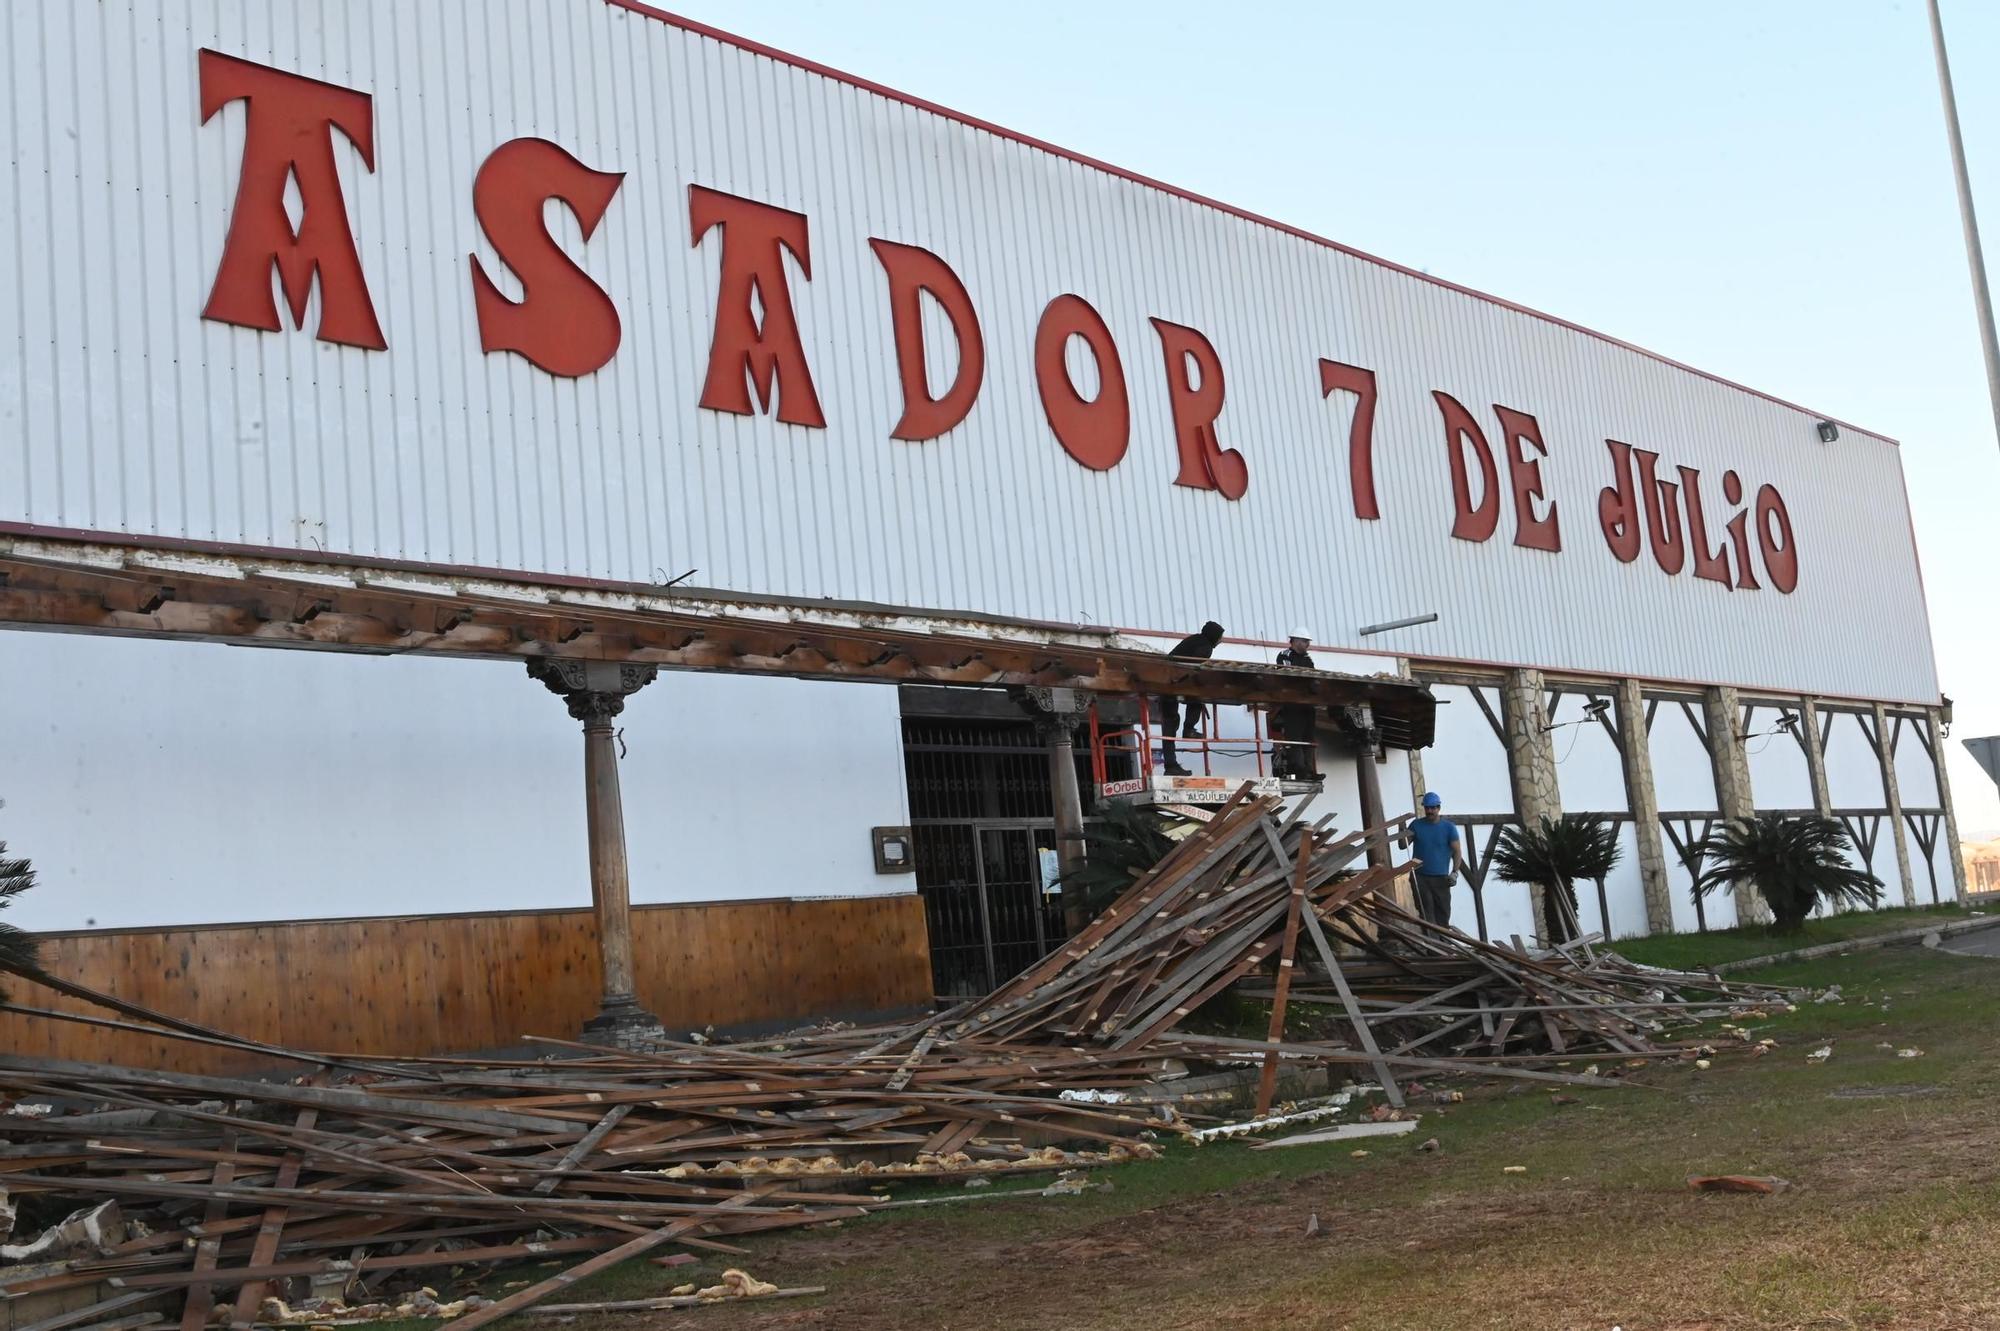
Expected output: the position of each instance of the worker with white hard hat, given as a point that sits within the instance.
(1296, 758)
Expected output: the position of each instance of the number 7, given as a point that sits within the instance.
(1361, 435)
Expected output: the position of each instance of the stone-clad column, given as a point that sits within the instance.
(1723, 716)
(1892, 795)
(1952, 847)
(1531, 759)
(1636, 753)
(595, 692)
(1809, 740)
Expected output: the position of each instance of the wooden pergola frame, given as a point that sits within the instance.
(372, 608)
(596, 643)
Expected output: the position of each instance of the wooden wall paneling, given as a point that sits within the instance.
(445, 983)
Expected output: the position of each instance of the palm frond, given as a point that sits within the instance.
(1558, 851)
(1120, 844)
(16, 876)
(1552, 857)
(19, 951)
(1795, 863)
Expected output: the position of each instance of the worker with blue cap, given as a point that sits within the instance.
(1434, 838)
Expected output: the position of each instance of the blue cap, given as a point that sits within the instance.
(1431, 800)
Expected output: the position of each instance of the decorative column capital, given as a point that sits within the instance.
(594, 690)
(1056, 712)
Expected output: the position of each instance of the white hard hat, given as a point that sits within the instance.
(1305, 633)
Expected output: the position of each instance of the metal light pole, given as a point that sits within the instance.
(1973, 256)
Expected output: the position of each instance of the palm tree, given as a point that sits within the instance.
(1120, 844)
(1552, 857)
(19, 951)
(1795, 862)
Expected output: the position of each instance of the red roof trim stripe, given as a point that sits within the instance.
(645, 10)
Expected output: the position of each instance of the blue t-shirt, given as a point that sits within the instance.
(1433, 842)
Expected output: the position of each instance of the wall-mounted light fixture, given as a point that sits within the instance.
(1828, 432)
(1594, 710)
(893, 852)
(1788, 724)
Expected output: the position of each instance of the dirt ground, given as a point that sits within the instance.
(1547, 1255)
(1892, 1219)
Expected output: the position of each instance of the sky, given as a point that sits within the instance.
(1759, 189)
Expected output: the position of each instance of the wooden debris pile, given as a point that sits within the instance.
(369, 1178)
(1252, 890)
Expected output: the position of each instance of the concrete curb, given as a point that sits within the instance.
(1867, 943)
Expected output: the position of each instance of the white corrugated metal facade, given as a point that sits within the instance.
(124, 411)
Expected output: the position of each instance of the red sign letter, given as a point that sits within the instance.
(912, 272)
(755, 237)
(1739, 534)
(1524, 473)
(1707, 563)
(1469, 523)
(563, 322)
(1096, 432)
(1618, 505)
(1663, 515)
(1205, 463)
(1774, 537)
(288, 135)
(1360, 435)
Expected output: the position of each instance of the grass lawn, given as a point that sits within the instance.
(1893, 1219)
(1692, 951)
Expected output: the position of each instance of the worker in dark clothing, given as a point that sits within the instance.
(1195, 647)
(1298, 758)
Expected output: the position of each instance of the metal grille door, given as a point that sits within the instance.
(980, 818)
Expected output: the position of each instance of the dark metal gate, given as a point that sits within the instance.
(984, 839)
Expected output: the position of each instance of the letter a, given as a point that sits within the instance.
(289, 136)
(755, 237)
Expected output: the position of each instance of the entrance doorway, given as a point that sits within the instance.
(989, 913)
(982, 831)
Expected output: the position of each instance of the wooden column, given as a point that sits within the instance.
(595, 692)
(1368, 779)
(1722, 715)
(1057, 714)
(1405, 890)
(1892, 795)
(1635, 754)
(1417, 786)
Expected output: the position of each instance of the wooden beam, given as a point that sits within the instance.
(262, 607)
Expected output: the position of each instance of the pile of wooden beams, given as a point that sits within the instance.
(231, 1193)
(1253, 890)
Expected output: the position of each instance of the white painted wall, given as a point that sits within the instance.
(1853, 776)
(1916, 777)
(172, 783)
(1947, 886)
(1467, 766)
(1779, 777)
(1624, 891)
(1591, 776)
(1589, 772)
(1683, 778)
